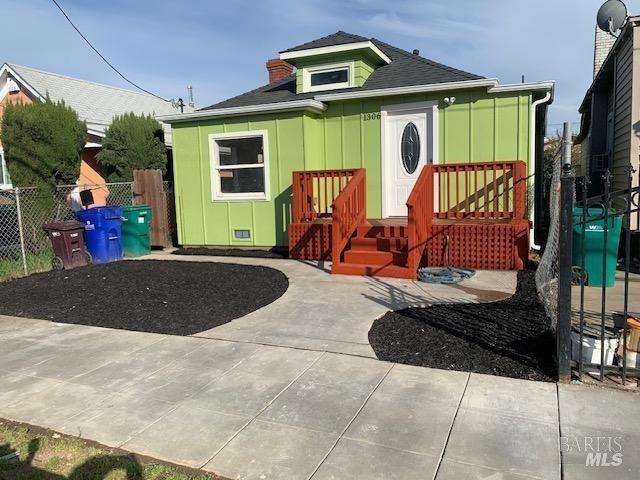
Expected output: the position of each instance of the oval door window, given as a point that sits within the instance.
(410, 148)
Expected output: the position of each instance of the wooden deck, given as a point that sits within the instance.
(477, 220)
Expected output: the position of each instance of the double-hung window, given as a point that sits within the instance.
(239, 166)
(5, 181)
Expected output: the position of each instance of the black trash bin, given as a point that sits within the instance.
(68, 244)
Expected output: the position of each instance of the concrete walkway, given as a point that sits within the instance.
(334, 313)
(253, 411)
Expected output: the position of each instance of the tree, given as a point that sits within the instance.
(42, 143)
(132, 142)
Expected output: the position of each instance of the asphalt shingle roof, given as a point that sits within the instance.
(338, 38)
(95, 103)
(405, 69)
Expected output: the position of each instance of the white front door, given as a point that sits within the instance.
(409, 144)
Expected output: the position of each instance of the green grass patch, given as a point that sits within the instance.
(36, 262)
(44, 455)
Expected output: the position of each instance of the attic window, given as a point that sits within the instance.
(327, 77)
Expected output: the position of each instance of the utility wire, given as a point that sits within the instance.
(102, 56)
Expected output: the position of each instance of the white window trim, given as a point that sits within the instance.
(3, 166)
(328, 67)
(216, 193)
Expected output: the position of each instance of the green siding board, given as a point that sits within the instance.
(477, 127)
(351, 120)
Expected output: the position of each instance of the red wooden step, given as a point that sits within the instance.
(392, 271)
(383, 244)
(389, 231)
(368, 257)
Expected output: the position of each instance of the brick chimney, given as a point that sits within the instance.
(278, 69)
(603, 43)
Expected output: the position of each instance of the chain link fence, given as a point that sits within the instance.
(24, 246)
(547, 274)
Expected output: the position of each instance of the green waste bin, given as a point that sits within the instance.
(136, 230)
(593, 240)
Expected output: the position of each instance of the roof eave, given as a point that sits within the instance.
(311, 105)
(491, 84)
(317, 104)
(8, 68)
(291, 56)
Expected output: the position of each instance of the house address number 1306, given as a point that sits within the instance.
(370, 116)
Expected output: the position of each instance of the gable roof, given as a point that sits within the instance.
(406, 69)
(338, 38)
(95, 103)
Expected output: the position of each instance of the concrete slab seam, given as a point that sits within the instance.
(453, 420)
(264, 408)
(178, 404)
(333, 446)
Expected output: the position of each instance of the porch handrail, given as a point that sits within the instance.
(481, 190)
(348, 211)
(420, 211)
(314, 191)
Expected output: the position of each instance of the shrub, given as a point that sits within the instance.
(132, 142)
(42, 143)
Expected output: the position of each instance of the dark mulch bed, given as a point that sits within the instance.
(510, 338)
(176, 298)
(231, 252)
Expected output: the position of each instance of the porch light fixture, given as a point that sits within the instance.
(449, 100)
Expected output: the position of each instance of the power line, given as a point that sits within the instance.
(102, 56)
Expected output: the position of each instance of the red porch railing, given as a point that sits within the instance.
(480, 190)
(478, 208)
(476, 212)
(348, 212)
(420, 210)
(314, 192)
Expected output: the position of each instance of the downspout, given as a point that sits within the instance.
(532, 160)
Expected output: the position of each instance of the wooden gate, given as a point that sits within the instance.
(148, 190)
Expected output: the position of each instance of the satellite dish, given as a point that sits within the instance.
(612, 16)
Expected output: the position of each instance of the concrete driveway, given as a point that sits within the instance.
(334, 313)
(253, 411)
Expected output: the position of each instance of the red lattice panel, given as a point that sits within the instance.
(310, 241)
(479, 246)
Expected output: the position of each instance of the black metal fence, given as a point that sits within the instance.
(597, 330)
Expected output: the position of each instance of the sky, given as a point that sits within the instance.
(220, 47)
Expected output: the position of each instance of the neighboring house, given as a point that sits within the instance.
(96, 104)
(610, 125)
(351, 103)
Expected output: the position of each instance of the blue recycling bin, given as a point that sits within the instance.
(103, 233)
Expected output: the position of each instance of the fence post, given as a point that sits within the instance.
(567, 186)
(21, 232)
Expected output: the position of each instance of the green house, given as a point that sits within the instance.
(344, 104)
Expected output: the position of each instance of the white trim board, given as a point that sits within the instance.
(216, 194)
(345, 47)
(6, 68)
(317, 104)
(307, 72)
(3, 166)
(309, 104)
